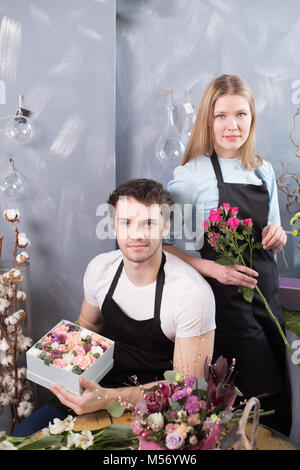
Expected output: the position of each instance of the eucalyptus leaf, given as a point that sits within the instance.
(115, 409)
(171, 375)
(225, 416)
(200, 384)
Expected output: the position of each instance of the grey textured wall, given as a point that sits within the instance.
(183, 45)
(60, 55)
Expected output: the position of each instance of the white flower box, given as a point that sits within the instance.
(49, 375)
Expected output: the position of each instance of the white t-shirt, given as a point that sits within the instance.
(187, 307)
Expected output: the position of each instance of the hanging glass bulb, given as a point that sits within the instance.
(169, 146)
(12, 185)
(19, 129)
(189, 116)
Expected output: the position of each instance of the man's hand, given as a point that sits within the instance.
(273, 237)
(236, 275)
(94, 397)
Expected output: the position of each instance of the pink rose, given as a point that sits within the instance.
(73, 339)
(233, 222)
(205, 225)
(59, 363)
(248, 222)
(226, 206)
(63, 348)
(234, 210)
(214, 216)
(60, 330)
(80, 351)
(82, 361)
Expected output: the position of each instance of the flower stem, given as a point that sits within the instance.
(276, 321)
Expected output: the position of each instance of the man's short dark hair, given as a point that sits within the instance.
(143, 190)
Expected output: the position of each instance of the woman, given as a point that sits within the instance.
(220, 165)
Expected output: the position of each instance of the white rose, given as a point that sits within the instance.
(96, 350)
(156, 421)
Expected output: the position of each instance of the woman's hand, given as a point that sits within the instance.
(236, 275)
(273, 237)
(94, 397)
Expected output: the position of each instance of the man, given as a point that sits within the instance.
(159, 310)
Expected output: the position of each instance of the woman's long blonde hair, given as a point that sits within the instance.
(201, 140)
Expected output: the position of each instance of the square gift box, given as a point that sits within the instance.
(48, 375)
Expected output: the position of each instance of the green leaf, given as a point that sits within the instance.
(43, 442)
(258, 245)
(172, 375)
(115, 409)
(224, 261)
(174, 404)
(200, 384)
(238, 392)
(247, 294)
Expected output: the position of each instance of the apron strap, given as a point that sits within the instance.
(217, 168)
(159, 288)
(115, 280)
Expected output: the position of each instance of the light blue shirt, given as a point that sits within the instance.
(195, 184)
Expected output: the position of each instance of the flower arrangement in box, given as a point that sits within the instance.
(187, 413)
(70, 347)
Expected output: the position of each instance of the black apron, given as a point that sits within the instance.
(141, 348)
(245, 331)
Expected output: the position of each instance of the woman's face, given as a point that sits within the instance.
(231, 125)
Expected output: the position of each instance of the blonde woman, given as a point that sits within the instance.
(220, 165)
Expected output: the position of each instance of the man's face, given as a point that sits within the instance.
(139, 229)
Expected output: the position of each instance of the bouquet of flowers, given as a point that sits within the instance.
(186, 413)
(296, 221)
(230, 236)
(70, 347)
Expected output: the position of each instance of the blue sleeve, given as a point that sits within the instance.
(268, 174)
(184, 191)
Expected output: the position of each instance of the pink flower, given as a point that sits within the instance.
(136, 427)
(192, 404)
(205, 225)
(234, 210)
(174, 440)
(59, 363)
(60, 330)
(171, 427)
(62, 348)
(226, 206)
(214, 216)
(82, 361)
(79, 350)
(233, 222)
(73, 339)
(248, 222)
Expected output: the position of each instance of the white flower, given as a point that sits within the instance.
(60, 426)
(84, 439)
(25, 408)
(84, 334)
(7, 445)
(35, 352)
(23, 241)
(69, 367)
(55, 345)
(11, 215)
(156, 421)
(96, 350)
